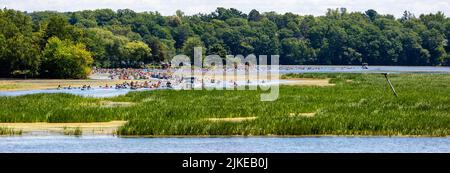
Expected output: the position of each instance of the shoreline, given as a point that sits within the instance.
(44, 84)
(276, 136)
(110, 129)
(94, 128)
(10, 85)
(232, 136)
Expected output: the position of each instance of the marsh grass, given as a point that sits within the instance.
(9, 131)
(364, 106)
(73, 131)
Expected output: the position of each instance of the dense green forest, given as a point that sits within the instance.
(67, 45)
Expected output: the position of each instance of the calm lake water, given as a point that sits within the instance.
(104, 144)
(358, 69)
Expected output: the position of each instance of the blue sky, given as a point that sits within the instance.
(168, 7)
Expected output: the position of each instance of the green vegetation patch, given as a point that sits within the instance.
(73, 131)
(9, 131)
(364, 106)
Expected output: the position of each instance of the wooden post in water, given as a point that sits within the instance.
(390, 84)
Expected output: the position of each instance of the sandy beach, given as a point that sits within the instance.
(38, 84)
(97, 128)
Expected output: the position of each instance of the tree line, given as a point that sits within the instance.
(67, 44)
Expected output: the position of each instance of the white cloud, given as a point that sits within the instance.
(168, 7)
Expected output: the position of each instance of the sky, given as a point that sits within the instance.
(189, 7)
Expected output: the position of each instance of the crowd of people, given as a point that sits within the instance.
(131, 74)
(138, 85)
(123, 85)
(161, 78)
(84, 87)
(130, 79)
(157, 78)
